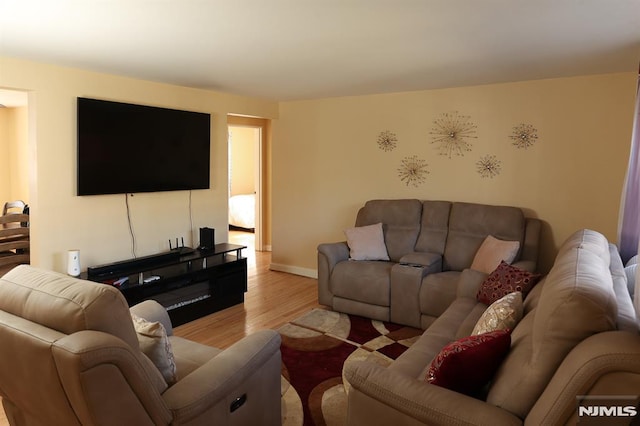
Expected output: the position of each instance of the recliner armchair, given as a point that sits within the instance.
(69, 355)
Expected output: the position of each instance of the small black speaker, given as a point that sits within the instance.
(207, 238)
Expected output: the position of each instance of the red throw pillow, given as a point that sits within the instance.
(504, 280)
(468, 364)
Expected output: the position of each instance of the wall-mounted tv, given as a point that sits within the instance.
(127, 148)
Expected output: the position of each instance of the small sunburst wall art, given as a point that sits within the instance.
(524, 135)
(387, 140)
(488, 166)
(413, 171)
(453, 133)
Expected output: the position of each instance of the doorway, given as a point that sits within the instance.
(245, 184)
(14, 179)
(249, 174)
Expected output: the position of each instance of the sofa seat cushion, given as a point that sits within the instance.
(190, 355)
(437, 292)
(364, 281)
(456, 322)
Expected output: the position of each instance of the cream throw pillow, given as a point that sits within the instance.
(504, 313)
(155, 344)
(492, 251)
(366, 243)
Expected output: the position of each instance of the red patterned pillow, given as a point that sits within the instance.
(504, 280)
(468, 364)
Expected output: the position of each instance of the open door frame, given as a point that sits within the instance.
(261, 175)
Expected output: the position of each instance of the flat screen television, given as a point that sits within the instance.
(127, 148)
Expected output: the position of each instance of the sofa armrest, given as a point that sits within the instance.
(250, 366)
(329, 254)
(334, 252)
(431, 262)
(153, 311)
(605, 364)
(379, 395)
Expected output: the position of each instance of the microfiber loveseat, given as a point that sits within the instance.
(576, 344)
(429, 246)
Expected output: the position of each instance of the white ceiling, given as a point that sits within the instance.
(301, 49)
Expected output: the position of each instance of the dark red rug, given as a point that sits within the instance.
(315, 348)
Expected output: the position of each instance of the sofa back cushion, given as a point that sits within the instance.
(627, 319)
(576, 301)
(400, 220)
(470, 224)
(434, 226)
(66, 304)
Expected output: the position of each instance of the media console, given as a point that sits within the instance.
(188, 283)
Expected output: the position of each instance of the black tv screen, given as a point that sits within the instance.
(127, 148)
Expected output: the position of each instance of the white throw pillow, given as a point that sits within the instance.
(492, 251)
(366, 243)
(155, 344)
(504, 313)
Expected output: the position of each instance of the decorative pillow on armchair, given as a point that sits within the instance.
(468, 364)
(154, 343)
(504, 313)
(492, 251)
(366, 243)
(504, 280)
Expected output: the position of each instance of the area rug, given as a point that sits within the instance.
(316, 346)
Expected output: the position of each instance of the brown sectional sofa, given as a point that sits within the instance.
(578, 337)
(431, 245)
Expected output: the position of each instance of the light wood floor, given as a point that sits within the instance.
(273, 299)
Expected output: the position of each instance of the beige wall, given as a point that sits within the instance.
(97, 225)
(326, 161)
(14, 162)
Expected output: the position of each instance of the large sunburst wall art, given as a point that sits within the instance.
(488, 166)
(453, 133)
(413, 171)
(387, 140)
(524, 135)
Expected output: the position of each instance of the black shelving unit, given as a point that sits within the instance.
(188, 283)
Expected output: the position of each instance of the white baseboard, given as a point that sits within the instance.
(305, 272)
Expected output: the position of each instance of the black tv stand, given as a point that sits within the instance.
(189, 283)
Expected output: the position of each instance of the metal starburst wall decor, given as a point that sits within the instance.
(453, 133)
(387, 140)
(524, 135)
(413, 171)
(488, 166)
